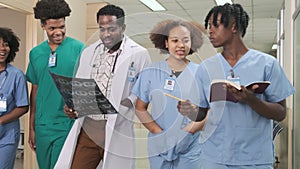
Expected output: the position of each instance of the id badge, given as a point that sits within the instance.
(169, 84)
(3, 106)
(131, 73)
(52, 60)
(235, 80)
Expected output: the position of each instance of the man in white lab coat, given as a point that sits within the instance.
(114, 62)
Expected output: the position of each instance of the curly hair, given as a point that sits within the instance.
(7, 35)
(112, 10)
(51, 9)
(229, 12)
(160, 33)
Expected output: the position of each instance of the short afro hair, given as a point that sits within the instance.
(112, 10)
(160, 33)
(7, 35)
(51, 9)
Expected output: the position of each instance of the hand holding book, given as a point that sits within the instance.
(218, 89)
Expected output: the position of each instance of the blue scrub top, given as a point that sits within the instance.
(150, 88)
(14, 89)
(234, 134)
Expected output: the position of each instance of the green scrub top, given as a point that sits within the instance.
(49, 103)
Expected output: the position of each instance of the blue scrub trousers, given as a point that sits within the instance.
(8, 152)
(210, 165)
(185, 155)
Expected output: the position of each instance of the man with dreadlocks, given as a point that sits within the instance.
(238, 135)
(49, 126)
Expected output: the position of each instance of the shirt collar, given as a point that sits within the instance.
(121, 48)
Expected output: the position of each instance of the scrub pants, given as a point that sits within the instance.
(49, 140)
(186, 155)
(184, 162)
(205, 164)
(8, 153)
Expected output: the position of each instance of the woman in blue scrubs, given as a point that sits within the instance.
(173, 139)
(13, 98)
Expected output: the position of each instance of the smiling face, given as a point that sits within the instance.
(179, 42)
(56, 30)
(4, 51)
(111, 33)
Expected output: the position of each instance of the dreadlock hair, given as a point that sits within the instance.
(229, 13)
(112, 10)
(9, 37)
(160, 33)
(51, 9)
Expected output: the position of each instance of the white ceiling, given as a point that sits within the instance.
(261, 33)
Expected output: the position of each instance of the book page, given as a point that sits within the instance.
(224, 82)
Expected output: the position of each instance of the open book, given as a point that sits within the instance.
(82, 95)
(219, 92)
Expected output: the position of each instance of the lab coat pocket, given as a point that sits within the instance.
(124, 117)
(123, 111)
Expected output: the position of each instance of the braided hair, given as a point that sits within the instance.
(51, 9)
(229, 13)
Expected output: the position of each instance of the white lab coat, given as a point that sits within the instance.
(119, 140)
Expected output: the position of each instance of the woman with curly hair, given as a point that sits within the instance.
(49, 126)
(173, 139)
(13, 98)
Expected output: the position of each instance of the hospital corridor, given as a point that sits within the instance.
(274, 29)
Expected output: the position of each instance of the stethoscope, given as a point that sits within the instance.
(97, 51)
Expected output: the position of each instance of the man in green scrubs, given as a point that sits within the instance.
(49, 126)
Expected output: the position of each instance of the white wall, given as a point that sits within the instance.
(285, 152)
(20, 5)
(76, 22)
(18, 26)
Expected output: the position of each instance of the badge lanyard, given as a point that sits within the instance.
(52, 59)
(169, 83)
(3, 104)
(131, 73)
(233, 78)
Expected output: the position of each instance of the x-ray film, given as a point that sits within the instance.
(82, 95)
